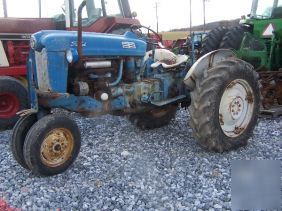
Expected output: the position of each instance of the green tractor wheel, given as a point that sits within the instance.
(212, 41)
(225, 105)
(153, 119)
(233, 38)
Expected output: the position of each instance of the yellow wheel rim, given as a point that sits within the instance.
(57, 147)
(24, 81)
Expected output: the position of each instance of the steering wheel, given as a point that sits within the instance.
(261, 16)
(137, 30)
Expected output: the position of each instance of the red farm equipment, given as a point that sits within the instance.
(111, 16)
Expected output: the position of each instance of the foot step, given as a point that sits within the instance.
(273, 112)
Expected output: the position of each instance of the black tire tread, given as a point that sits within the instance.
(233, 38)
(145, 120)
(10, 84)
(17, 138)
(213, 39)
(204, 122)
(33, 142)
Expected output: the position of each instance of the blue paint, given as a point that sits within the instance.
(94, 44)
(85, 104)
(130, 69)
(120, 71)
(133, 86)
(57, 71)
(148, 71)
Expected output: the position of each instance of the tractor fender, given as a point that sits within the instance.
(206, 62)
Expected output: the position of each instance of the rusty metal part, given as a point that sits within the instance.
(250, 97)
(81, 88)
(57, 147)
(158, 113)
(271, 88)
(205, 62)
(26, 112)
(43, 97)
(236, 108)
(51, 95)
(274, 112)
(279, 88)
(221, 119)
(238, 130)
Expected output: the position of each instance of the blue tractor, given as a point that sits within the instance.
(94, 74)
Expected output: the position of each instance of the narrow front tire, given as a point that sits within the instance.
(52, 145)
(17, 139)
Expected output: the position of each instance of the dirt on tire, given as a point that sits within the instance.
(206, 97)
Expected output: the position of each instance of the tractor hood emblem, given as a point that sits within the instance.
(128, 45)
(74, 44)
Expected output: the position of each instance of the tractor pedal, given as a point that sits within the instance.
(273, 112)
(169, 101)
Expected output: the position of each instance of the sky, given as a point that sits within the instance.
(172, 13)
(176, 13)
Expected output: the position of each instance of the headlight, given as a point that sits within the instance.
(69, 56)
(32, 43)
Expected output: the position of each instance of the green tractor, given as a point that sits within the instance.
(257, 40)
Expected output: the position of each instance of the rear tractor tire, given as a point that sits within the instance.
(153, 119)
(225, 105)
(233, 38)
(212, 41)
(13, 98)
(52, 145)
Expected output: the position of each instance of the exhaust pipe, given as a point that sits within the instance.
(79, 30)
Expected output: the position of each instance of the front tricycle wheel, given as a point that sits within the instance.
(18, 136)
(225, 105)
(52, 145)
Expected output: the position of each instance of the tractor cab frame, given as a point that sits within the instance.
(271, 9)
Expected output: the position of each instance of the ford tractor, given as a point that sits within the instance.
(111, 16)
(95, 74)
(258, 41)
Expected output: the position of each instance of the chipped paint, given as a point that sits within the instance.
(204, 63)
(42, 70)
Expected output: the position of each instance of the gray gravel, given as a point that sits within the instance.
(123, 168)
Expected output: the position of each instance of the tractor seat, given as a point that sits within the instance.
(166, 58)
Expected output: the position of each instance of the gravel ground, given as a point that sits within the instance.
(121, 167)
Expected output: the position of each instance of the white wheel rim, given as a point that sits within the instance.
(236, 108)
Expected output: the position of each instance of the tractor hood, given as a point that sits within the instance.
(94, 44)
